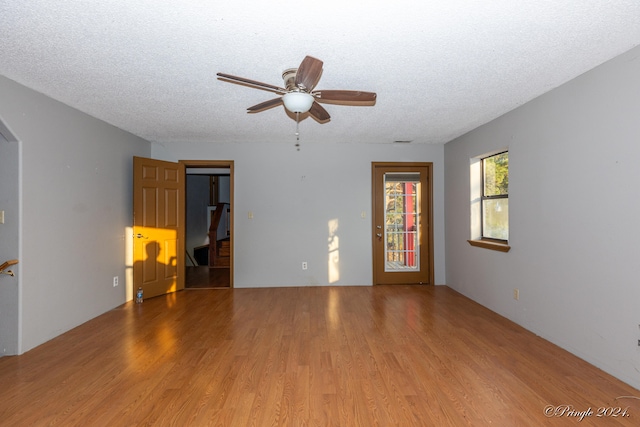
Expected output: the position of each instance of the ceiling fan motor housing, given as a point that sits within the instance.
(289, 77)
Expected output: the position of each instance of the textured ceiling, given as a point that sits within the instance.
(440, 67)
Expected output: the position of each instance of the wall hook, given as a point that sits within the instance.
(8, 264)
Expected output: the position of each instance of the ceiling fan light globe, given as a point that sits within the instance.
(297, 102)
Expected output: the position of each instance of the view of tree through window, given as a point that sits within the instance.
(495, 196)
(402, 215)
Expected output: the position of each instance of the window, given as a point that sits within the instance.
(402, 220)
(490, 201)
(495, 197)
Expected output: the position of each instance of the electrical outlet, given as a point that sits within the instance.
(304, 265)
(115, 281)
(516, 294)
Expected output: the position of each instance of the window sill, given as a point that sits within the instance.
(488, 244)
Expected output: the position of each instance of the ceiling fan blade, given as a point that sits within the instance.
(346, 97)
(254, 83)
(264, 105)
(318, 112)
(308, 74)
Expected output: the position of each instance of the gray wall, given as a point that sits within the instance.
(197, 200)
(293, 196)
(76, 206)
(9, 233)
(574, 209)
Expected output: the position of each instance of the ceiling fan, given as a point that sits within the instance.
(298, 95)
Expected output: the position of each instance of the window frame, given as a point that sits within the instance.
(479, 240)
(484, 197)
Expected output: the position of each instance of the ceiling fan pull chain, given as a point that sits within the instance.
(298, 131)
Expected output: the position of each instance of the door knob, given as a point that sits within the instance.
(140, 236)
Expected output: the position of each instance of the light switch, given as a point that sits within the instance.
(1, 217)
(250, 215)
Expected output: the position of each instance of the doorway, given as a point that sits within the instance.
(209, 229)
(402, 223)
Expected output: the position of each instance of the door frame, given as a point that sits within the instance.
(202, 164)
(427, 222)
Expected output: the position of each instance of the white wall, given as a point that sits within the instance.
(76, 197)
(294, 194)
(574, 208)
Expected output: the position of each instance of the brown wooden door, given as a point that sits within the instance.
(402, 223)
(158, 226)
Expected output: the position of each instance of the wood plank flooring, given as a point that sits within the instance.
(204, 277)
(312, 356)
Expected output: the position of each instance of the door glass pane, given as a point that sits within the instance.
(402, 221)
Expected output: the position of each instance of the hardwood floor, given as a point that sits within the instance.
(320, 356)
(204, 277)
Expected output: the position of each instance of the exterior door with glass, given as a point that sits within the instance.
(402, 223)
